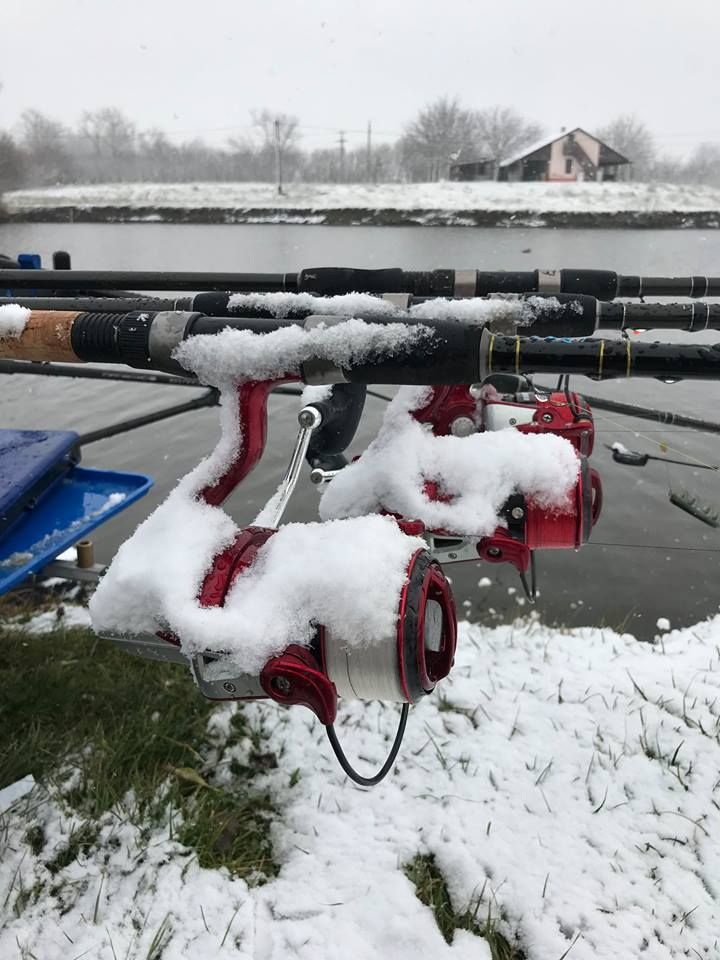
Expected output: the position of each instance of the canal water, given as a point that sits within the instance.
(647, 559)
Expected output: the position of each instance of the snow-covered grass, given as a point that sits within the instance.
(562, 784)
(533, 197)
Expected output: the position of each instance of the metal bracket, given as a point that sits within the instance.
(69, 570)
(148, 646)
(451, 549)
(217, 681)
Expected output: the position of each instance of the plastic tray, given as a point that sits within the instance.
(83, 500)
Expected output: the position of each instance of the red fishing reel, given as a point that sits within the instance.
(402, 667)
(406, 664)
(508, 401)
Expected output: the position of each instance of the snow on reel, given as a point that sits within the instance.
(403, 664)
(402, 667)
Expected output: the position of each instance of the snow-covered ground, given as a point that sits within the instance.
(532, 197)
(566, 781)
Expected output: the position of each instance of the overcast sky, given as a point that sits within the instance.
(197, 67)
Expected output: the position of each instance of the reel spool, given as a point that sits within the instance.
(401, 667)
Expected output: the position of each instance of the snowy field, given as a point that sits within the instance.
(566, 784)
(490, 196)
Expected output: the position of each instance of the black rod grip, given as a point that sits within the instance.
(112, 338)
(449, 356)
(602, 284)
(203, 325)
(566, 315)
(505, 281)
(335, 281)
(218, 305)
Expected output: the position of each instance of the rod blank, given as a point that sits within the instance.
(328, 281)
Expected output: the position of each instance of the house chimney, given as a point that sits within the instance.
(563, 129)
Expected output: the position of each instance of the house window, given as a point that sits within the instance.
(568, 164)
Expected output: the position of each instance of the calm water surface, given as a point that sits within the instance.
(647, 558)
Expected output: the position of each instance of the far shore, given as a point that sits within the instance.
(479, 204)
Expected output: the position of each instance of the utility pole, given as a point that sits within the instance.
(278, 157)
(341, 145)
(368, 153)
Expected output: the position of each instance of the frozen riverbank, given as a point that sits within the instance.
(484, 204)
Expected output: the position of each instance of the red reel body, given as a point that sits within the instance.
(402, 667)
(405, 666)
(509, 401)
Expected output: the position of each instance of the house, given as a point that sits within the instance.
(572, 155)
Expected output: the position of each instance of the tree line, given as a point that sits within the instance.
(106, 146)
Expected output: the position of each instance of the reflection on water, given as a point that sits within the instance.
(647, 559)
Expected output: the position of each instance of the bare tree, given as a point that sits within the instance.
(109, 131)
(442, 132)
(503, 131)
(267, 121)
(279, 132)
(112, 136)
(45, 142)
(630, 137)
(669, 169)
(12, 163)
(704, 164)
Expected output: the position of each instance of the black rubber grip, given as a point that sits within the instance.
(574, 316)
(213, 325)
(92, 338)
(504, 281)
(595, 283)
(215, 304)
(449, 356)
(112, 338)
(334, 281)
(602, 284)
(430, 283)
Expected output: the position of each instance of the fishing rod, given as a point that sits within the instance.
(331, 281)
(562, 315)
(455, 353)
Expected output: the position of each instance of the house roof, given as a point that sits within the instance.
(547, 141)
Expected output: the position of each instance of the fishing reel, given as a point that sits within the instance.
(506, 401)
(406, 663)
(402, 666)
